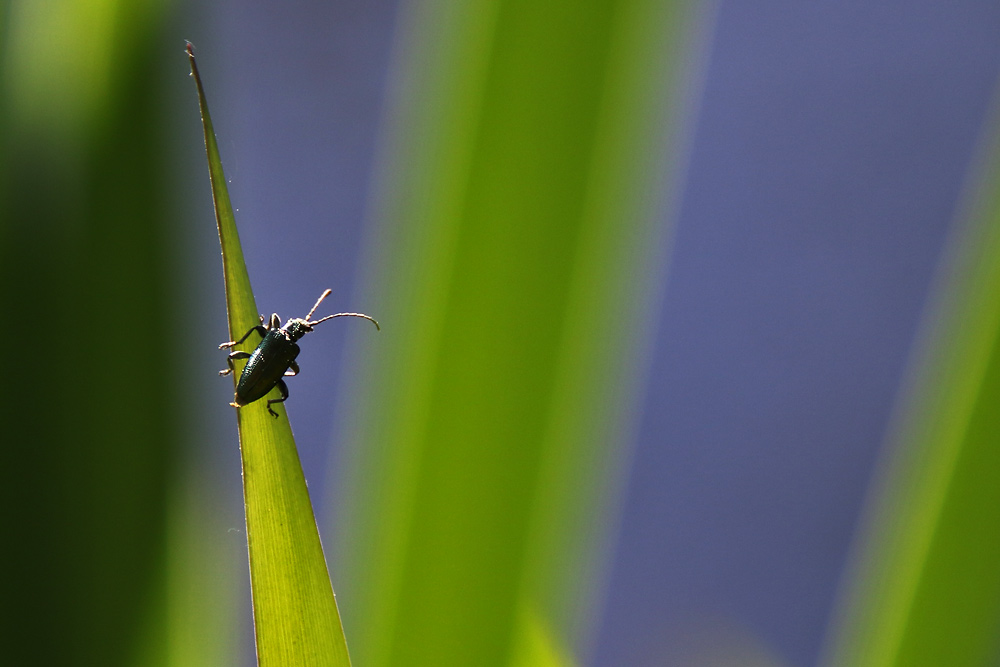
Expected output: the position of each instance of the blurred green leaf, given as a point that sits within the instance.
(295, 612)
(926, 588)
(520, 221)
(89, 451)
(537, 645)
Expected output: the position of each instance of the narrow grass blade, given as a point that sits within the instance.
(295, 612)
(926, 588)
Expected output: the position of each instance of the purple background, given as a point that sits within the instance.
(830, 147)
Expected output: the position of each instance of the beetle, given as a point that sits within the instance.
(274, 357)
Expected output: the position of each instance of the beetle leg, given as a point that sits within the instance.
(230, 359)
(283, 389)
(259, 329)
(295, 369)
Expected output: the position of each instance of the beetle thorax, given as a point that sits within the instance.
(296, 328)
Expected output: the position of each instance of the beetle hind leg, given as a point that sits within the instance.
(283, 389)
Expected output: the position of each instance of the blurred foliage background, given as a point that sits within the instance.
(101, 426)
(90, 446)
(530, 163)
(518, 229)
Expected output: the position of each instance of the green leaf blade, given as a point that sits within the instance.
(519, 224)
(239, 296)
(296, 620)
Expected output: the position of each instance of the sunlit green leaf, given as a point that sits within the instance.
(519, 220)
(295, 613)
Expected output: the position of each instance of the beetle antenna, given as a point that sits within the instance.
(361, 315)
(318, 301)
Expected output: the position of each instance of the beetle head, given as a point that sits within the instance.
(296, 328)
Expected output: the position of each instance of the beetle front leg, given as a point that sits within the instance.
(283, 389)
(231, 358)
(295, 369)
(259, 329)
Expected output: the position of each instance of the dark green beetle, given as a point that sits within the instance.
(274, 357)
